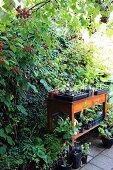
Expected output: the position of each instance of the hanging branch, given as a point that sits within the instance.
(37, 5)
(43, 4)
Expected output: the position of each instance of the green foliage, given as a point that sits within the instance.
(85, 148)
(53, 147)
(37, 54)
(65, 128)
(105, 125)
(104, 132)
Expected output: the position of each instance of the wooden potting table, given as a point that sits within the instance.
(55, 105)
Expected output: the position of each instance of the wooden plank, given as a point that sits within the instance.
(85, 131)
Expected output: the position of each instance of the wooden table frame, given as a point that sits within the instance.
(71, 108)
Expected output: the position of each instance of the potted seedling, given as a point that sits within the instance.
(85, 150)
(90, 90)
(86, 123)
(65, 164)
(90, 122)
(100, 89)
(110, 120)
(80, 127)
(96, 118)
(75, 157)
(106, 135)
(70, 95)
(84, 120)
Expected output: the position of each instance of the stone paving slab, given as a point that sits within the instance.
(92, 137)
(90, 167)
(89, 158)
(108, 152)
(103, 162)
(94, 151)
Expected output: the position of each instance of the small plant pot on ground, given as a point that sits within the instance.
(55, 168)
(107, 143)
(84, 158)
(75, 158)
(65, 167)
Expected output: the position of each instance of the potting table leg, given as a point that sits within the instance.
(104, 109)
(50, 119)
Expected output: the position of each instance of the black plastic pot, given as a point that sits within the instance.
(98, 120)
(90, 92)
(67, 167)
(56, 168)
(110, 129)
(86, 126)
(93, 122)
(81, 129)
(75, 158)
(72, 97)
(84, 159)
(101, 91)
(90, 123)
(107, 143)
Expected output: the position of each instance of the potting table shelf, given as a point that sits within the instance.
(71, 108)
(85, 131)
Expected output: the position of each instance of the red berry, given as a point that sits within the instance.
(25, 11)
(16, 69)
(29, 15)
(45, 46)
(24, 16)
(22, 13)
(28, 49)
(1, 61)
(17, 15)
(18, 8)
(1, 46)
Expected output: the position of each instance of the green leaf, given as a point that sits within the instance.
(36, 73)
(13, 48)
(2, 133)
(8, 128)
(42, 155)
(47, 87)
(33, 87)
(4, 38)
(3, 149)
(9, 140)
(11, 53)
(22, 109)
(20, 40)
(2, 82)
(20, 45)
